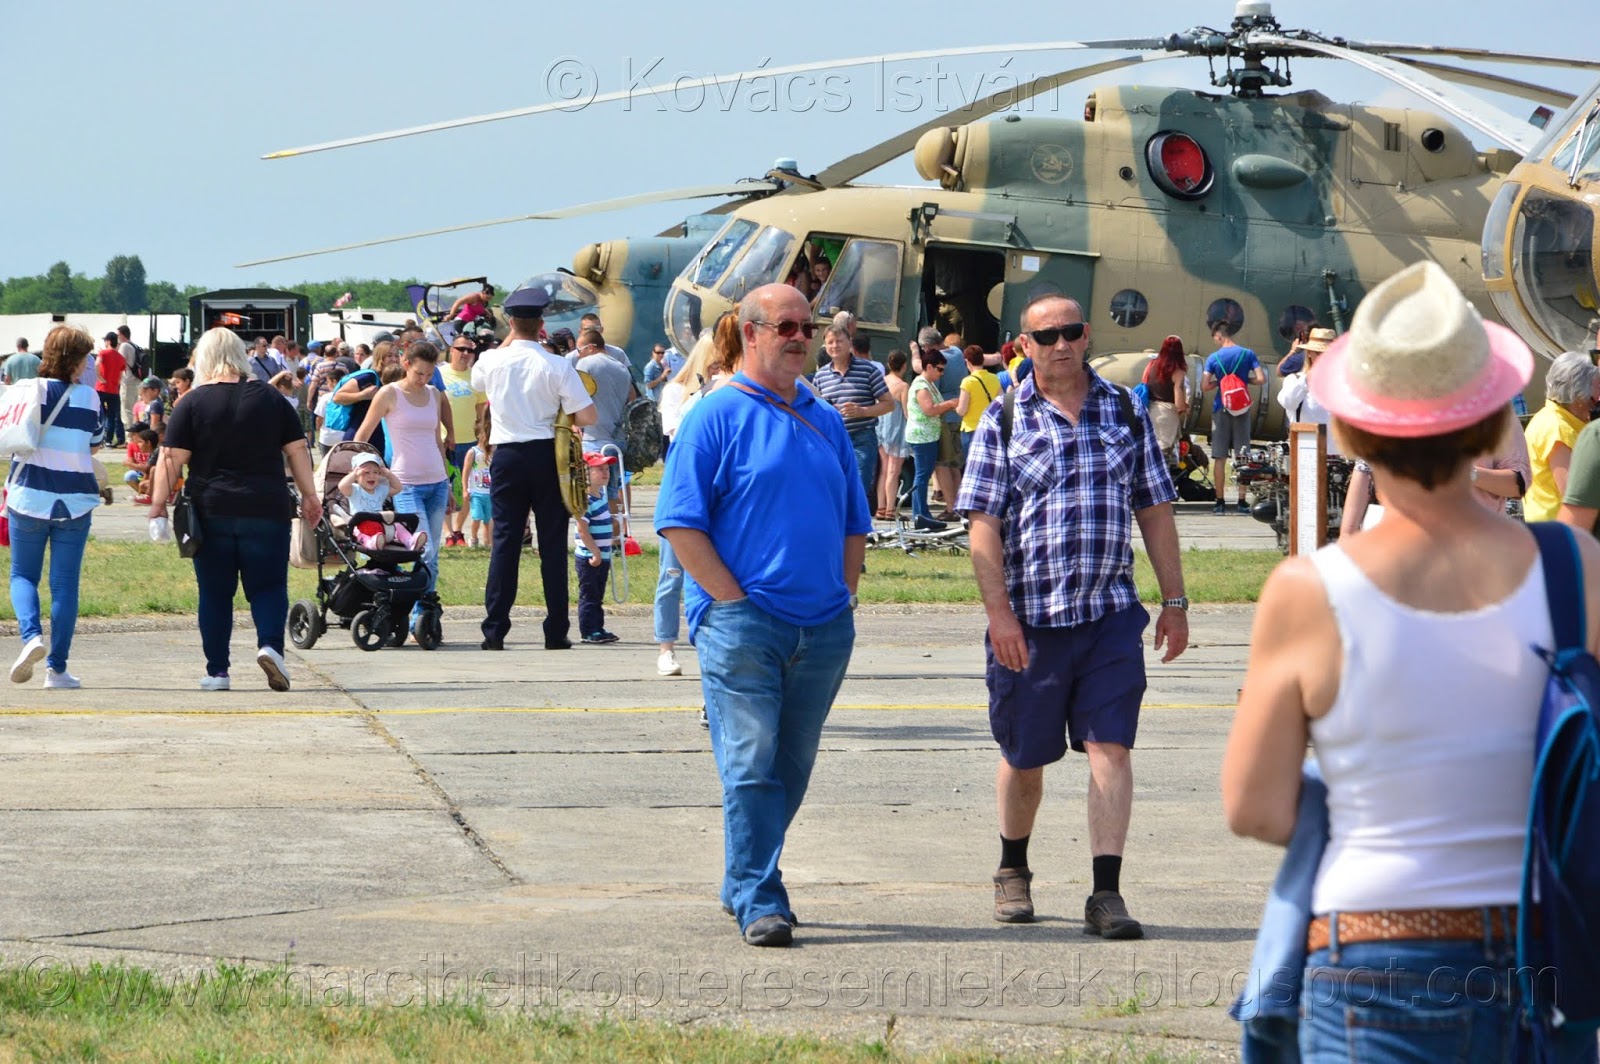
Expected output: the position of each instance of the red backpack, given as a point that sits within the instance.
(1235, 393)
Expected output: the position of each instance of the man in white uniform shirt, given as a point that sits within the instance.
(527, 385)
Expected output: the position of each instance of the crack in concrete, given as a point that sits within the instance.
(67, 936)
(376, 727)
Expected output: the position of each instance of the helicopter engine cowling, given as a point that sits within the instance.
(941, 155)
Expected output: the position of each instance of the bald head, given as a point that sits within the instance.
(1042, 307)
(772, 302)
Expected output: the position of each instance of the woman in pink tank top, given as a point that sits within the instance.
(413, 413)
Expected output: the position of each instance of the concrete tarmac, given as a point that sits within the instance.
(544, 828)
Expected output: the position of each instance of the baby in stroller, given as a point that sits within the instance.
(366, 489)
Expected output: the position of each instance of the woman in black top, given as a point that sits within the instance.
(233, 433)
(1166, 377)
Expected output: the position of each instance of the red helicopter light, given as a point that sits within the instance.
(1179, 165)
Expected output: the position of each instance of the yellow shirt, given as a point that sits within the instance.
(1552, 425)
(463, 402)
(982, 388)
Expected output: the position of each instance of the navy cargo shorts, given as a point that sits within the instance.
(1082, 684)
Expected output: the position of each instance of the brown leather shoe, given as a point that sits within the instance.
(1106, 915)
(1013, 896)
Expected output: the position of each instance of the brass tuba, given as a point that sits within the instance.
(571, 470)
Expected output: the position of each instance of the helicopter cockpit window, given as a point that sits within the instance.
(1494, 231)
(761, 264)
(865, 281)
(1228, 312)
(1553, 267)
(711, 263)
(1129, 308)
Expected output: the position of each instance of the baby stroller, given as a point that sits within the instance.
(373, 594)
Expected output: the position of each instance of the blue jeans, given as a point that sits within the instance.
(669, 594)
(428, 501)
(29, 535)
(865, 444)
(252, 550)
(1384, 1002)
(768, 687)
(924, 455)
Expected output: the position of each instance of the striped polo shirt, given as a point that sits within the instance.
(862, 383)
(57, 481)
(598, 514)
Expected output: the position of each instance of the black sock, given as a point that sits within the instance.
(1014, 852)
(1108, 874)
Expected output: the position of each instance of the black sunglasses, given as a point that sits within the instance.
(1048, 337)
(787, 329)
(468, 350)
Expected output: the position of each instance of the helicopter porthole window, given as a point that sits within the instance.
(1226, 312)
(1179, 165)
(1129, 308)
(1292, 318)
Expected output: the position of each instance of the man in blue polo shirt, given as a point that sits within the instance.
(765, 511)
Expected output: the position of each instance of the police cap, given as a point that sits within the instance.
(527, 303)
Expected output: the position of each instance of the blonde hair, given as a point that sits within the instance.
(220, 351)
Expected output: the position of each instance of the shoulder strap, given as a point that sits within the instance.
(1563, 582)
(1125, 402)
(785, 407)
(61, 402)
(1008, 413)
(1237, 362)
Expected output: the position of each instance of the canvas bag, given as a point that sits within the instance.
(1234, 391)
(22, 423)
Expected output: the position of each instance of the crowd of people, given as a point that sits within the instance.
(1406, 657)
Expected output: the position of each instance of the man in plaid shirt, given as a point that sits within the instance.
(1052, 515)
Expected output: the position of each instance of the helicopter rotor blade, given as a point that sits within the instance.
(1480, 115)
(862, 162)
(1482, 55)
(735, 79)
(742, 188)
(1526, 90)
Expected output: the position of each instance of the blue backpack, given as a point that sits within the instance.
(1558, 963)
(336, 416)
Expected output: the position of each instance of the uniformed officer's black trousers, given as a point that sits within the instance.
(522, 479)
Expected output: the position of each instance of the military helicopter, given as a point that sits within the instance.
(1539, 262)
(1161, 211)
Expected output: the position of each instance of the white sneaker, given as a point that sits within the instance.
(271, 663)
(667, 664)
(22, 668)
(215, 683)
(52, 678)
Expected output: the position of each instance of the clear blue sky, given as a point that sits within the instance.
(136, 128)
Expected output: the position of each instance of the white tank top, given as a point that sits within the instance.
(1428, 749)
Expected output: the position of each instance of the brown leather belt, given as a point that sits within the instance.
(1393, 924)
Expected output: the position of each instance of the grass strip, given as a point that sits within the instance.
(122, 579)
(235, 1014)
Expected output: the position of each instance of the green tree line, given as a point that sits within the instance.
(124, 289)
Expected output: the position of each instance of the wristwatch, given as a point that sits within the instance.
(1182, 602)
(855, 600)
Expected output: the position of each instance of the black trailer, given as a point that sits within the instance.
(251, 312)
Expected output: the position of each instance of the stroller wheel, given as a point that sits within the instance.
(305, 624)
(365, 631)
(428, 630)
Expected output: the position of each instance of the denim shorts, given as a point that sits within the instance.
(1082, 684)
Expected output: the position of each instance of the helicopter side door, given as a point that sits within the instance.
(1030, 273)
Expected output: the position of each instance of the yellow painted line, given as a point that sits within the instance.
(248, 711)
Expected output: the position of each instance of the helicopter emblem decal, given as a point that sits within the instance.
(1051, 163)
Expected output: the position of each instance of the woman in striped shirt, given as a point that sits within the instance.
(49, 496)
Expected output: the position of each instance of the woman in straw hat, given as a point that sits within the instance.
(1404, 654)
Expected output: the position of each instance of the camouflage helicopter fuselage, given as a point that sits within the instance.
(1301, 205)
